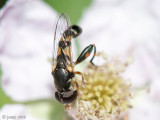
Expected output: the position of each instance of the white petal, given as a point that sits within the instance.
(26, 43)
(145, 109)
(115, 28)
(125, 28)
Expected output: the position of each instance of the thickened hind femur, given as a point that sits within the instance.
(66, 97)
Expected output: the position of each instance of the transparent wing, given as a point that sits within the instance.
(62, 24)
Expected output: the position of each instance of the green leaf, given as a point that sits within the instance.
(4, 99)
(2, 3)
(48, 109)
(73, 8)
(57, 111)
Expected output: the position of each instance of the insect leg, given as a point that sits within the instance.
(85, 54)
(79, 73)
(67, 107)
(77, 86)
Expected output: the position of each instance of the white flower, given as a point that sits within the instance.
(129, 28)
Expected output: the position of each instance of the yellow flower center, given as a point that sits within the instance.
(106, 93)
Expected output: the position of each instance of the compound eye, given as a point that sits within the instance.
(77, 29)
(66, 97)
(73, 31)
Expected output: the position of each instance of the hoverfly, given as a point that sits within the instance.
(63, 66)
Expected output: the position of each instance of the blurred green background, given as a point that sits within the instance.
(74, 9)
(2, 3)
